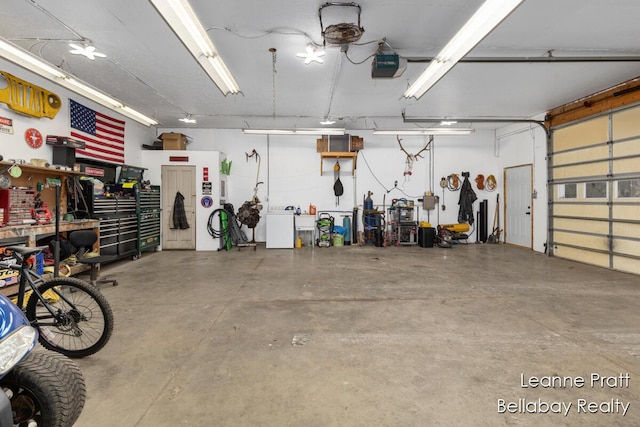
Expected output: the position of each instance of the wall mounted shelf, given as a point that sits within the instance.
(340, 155)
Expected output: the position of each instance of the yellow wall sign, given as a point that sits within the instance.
(29, 99)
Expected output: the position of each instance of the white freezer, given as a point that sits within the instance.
(280, 230)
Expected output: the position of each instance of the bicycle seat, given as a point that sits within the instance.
(27, 251)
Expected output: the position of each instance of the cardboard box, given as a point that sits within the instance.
(357, 143)
(173, 141)
(322, 145)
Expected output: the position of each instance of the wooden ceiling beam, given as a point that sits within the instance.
(600, 102)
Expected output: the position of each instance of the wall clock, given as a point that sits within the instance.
(33, 137)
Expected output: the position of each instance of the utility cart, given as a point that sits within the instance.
(402, 225)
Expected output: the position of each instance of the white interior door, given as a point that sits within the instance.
(178, 179)
(518, 226)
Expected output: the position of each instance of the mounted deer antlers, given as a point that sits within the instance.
(411, 158)
(426, 147)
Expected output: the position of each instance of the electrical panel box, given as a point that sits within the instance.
(429, 202)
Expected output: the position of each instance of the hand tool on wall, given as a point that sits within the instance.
(494, 237)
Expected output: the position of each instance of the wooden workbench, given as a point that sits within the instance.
(31, 233)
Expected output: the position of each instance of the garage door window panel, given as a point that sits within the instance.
(568, 191)
(628, 189)
(595, 190)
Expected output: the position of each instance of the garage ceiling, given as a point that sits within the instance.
(148, 68)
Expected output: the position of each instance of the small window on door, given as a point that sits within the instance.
(568, 191)
(595, 190)
(628, 189)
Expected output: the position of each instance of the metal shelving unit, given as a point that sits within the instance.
(402, 226)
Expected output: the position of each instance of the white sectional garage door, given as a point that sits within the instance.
(595, 183)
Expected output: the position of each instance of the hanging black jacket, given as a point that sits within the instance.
(467, 197)
(179, 214)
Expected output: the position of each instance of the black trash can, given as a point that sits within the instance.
(426, 236)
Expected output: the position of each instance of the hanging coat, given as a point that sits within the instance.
(179, 215)
(467, 197)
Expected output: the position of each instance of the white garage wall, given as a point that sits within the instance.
(290, 167)
(290, 170)
(527, 144)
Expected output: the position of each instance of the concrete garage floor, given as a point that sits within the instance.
(366, 336)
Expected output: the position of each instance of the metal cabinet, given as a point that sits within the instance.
(118, 224)
(148, 218)
(129, 217)
(16, 205)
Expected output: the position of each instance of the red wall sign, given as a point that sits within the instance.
(94, 171)
(178, 158)
(33, 137)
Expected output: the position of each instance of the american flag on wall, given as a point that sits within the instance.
(102, 135)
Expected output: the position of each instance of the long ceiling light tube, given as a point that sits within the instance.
(28, 61)
(426, 131)
(140, 117)
(184, 22)
(486, 18)
(319, 131)
(34, 64)
(86, 90)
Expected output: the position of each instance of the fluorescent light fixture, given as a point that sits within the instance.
(136, 115)
(187, 119)
(327, 122)
(38, 66)
(92, 93)
(448, 122)
(426, 131)
(184, 22)
(95, 95)
(325, 131)
(486, 18)
(28, 61)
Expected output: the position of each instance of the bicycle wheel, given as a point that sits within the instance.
(82, 319)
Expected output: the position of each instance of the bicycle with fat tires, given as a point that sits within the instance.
(72, 316)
